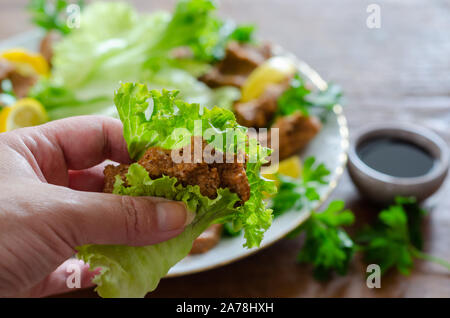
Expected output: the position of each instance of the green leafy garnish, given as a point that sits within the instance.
(243, 33)
(296, 193)
(51, 15)
(396, 239)
(134, 271)
(327, 246)
(195, 25)
(394, 242)
(299, 98)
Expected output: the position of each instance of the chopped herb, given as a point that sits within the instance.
(299, 98)
(396, 240)
(296, 193)
(51, 15)
(243, 33)
(327, 246)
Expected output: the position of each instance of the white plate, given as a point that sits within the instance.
(329, 146)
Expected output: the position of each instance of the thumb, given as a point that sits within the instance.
(101, 218)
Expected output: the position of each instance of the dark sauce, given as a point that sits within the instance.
(395, 157)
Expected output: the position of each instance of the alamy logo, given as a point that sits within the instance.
(73, 20)
(374, 277)
(373, 21)
(74, 278)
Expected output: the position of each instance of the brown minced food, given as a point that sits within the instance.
(208, 176)
(239, 61)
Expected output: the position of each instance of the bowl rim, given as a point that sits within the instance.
(439, 169)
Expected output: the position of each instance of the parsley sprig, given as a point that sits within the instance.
(51, 15)
(393, 242)
(298, 97)
(327, 245)
(396, 240)
(296, 193)
(243, 33)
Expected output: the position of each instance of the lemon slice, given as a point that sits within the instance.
(273, 71)
(24, 113)
(291, 167)
(27, 62)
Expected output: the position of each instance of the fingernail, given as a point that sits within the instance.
(172, 216)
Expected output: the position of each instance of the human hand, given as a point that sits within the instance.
(50, 179)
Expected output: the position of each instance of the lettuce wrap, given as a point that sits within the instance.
(150, 119)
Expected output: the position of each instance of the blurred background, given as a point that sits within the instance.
(398, 72)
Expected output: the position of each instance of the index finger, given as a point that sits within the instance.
(75, 143)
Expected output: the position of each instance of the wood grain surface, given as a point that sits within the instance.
(400, 72)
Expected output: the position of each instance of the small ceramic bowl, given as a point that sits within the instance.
(382, 188)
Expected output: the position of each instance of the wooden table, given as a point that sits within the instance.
(400, 72)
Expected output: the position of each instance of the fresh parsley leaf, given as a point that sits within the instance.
(396, 239)
(415, 217)
(314, 173)
(298, 97)
(294, 98)
(296, 193)
(327, 246)
(243, 33)
(51, 15)
(288, 197)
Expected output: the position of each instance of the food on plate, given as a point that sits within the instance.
(259, 112)
(291, 167)
(24, 113)
(239, 61)
(265, 95)
(208, 239)
(116, 43)
(275, 70)
(22, 69)
(295, 132)
(210, 60)
(217, 192)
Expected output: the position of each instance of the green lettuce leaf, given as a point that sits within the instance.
(169, 114)
(130, 271)
(115, 43)
(134, 271)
